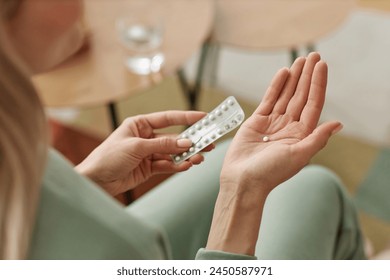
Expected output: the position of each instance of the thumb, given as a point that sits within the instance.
(317, 140)
(163, 145)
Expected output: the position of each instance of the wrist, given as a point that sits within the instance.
(237, 217)
(243, 182)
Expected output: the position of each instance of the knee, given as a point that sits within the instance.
(313, 184)
(322, 183)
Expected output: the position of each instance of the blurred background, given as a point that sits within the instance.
(214, 49)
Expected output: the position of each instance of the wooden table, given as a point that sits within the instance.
(98, 76)
(381, 5)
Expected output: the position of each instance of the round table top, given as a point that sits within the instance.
(274, 24)
(98, 76)
(383, 5)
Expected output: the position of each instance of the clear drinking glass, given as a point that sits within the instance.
(142, 36)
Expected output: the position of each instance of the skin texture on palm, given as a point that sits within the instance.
(288, 116)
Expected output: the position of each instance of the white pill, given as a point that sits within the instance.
(220, 131)
(265, 138)
(184, 136)
(184, 154)
(199, 145)
(177, 158)
(211, 117)
(213, 136)
(192, 149)
(205, 122)
(206, 141)
(231, 102)
(218, 112)
(192, 131)
(198, 127)
(239, 117)
(224, 107)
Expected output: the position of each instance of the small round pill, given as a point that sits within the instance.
(192, 131)
(184, 154)
(220, 131)
(198, 127)
(191, 150)
(218, 112)
(224, 107)
(199, 145)
(206, 141)
(205, 122)
(239, 117)
(213, 136)
(231, 102)
(211, 117)
(265, 138)
(184, 136)
(177, 158)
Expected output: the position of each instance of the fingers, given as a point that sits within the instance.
(169, 118)
(317, 140)
(164, 145)
(167, 166)
(312, 110)
(298, 100)
(271, 96)
(290, 86)
(206, 149)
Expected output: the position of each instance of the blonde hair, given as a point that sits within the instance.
(23, 147)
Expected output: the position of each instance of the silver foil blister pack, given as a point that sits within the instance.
(224, 118)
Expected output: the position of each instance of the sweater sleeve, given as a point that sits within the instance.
(204, 254)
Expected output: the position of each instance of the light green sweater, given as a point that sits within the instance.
(78, 220)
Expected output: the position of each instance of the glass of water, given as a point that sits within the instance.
(142, 36)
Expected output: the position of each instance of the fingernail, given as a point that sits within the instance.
(184, 143)
(337, 129)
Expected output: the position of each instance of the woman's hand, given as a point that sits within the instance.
(282, 135)
(271, 146)
(135, 152)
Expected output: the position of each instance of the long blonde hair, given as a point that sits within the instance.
(23, 147)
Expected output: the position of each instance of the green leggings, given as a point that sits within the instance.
(308, 217)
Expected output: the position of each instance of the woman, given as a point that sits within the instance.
(62, 214)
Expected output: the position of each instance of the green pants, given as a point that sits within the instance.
(308, 217)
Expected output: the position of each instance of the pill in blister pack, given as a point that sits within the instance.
(224, 118)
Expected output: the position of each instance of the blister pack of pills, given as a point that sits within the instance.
(224, 118)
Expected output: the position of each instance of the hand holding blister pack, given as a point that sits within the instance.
(224, 118)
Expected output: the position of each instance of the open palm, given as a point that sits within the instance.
(282, 134)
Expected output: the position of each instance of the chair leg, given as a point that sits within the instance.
(194, 92)
(293, 55)
(310, 48)
(294, 52)
(113, 115)
(212, 69)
